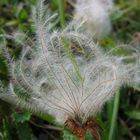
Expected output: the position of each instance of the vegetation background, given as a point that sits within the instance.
(120, 117)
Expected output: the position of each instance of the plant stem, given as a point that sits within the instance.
(114, 115)
(61, 12)
(82, 138)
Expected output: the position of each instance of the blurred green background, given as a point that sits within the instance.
(120, 117)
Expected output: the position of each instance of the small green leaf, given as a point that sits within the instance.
(46, 117)
(68, 136)
(133, 114)
(89, 136)
(23, 15)
(21, 118)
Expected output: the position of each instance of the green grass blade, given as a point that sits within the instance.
(61, 12)
(114, 116)
(72, 58)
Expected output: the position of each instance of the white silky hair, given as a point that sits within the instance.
(95, 14)
(65, 73)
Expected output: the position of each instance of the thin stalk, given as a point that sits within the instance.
(72, 58)
(114, 115)
(82, 138)
(61, 12)
(109, 111)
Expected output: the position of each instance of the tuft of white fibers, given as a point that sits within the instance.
(95, 15)
(65, 73)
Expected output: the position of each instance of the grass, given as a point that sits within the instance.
(61, 6)
(114, 116)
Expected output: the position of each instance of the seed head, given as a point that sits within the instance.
(95, 15)
(65, 73)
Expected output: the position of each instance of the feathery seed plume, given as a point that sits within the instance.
(65, 73)
(95, 15)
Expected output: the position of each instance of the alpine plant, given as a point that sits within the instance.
(67, 74)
